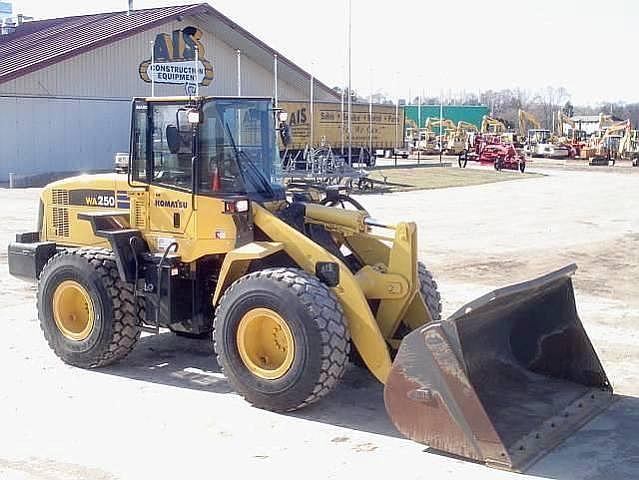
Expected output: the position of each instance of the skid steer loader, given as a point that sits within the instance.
(198, 237)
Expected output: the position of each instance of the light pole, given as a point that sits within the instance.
(370, 116)
(311, 103)
(350, 95)
(441, 119)
(396, 115)
(275, 92)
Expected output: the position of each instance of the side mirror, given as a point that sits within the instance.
(173, 138)
(284, 128)
(285, 134)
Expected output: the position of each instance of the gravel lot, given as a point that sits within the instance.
(167, 412)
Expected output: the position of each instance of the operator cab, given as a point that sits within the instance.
(536, 136)
(212, 146)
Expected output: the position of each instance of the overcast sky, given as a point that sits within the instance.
(589, 46)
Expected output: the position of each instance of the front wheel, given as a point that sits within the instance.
(281, 338)
(430, 292)
(89, 317)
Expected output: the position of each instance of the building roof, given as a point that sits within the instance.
(38, 44)
(594, 118)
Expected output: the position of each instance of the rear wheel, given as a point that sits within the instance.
(281, 338)
(89, 317)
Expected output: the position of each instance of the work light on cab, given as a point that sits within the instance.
(236, 206)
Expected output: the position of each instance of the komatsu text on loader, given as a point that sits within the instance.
(198, 236)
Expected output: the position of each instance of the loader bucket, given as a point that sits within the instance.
(504, 379)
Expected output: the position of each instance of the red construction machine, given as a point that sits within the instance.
(491, 149)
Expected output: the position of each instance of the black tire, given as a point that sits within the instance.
(462, 160)
(319, 330)
(430, 293)
(116, 310)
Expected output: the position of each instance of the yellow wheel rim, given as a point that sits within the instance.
(73, 310)
(265, 343)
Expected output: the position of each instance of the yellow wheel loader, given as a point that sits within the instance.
(198, 236)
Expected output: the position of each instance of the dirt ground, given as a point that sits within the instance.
(166, 411)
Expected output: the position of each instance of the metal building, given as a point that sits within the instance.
(467, 113)
(66, 84)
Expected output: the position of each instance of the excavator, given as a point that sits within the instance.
(492, 125)
(629, 146)
(609, 145)
(538, 140)
(200, 238)
(577, 138)
(430, 141)
(457, 139)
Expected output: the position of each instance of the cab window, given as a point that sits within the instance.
(170, 146)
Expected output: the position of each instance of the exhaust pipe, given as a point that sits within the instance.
(504, 379)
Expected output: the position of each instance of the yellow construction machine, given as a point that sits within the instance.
(433, 135)
(199, 236)
(629, 146)
(539, 142)
(457, 139)
(610, 144)
(492, 125)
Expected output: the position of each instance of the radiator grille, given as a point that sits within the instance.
(59, 197)
(61, 222)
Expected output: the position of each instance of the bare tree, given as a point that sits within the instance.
(550, 99)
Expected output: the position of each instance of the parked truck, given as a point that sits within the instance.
(386, 127)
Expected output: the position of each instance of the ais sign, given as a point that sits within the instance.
(174, 59)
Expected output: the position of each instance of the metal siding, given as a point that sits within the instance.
(90, 122)
(467, 113)
(58, 135)
(8, 134)
(112, 72)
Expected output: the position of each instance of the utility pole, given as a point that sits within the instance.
(239, 72)
(152, 68)
(275, 92)
(396, 115)
(310, 98)
(441, 119)
(350, 95)
(370, 115)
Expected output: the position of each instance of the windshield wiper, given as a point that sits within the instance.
(256, 171)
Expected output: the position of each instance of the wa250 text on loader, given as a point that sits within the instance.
(196, 237)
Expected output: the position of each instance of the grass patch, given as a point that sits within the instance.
(404, 179)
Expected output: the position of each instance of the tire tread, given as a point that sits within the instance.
(327, 314)
(127, 312)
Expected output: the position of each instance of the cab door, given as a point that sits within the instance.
(171, 169)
